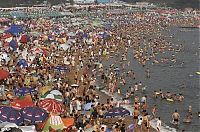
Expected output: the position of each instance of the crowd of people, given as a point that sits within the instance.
(76, 70)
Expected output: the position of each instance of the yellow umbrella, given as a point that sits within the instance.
(44, 89)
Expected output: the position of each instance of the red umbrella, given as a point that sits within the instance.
(8, 35)
(24, 39)
(51, 105)
(22, 103)
(3, 74)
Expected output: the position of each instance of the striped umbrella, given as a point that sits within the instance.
(51, 105)
(11, 115)
(49, 95)
(54, 122)
(34, 114)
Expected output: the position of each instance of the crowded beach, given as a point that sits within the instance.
(72, 70)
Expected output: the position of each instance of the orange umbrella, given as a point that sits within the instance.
(22, 103)
(3, 74)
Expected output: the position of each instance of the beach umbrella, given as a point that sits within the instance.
(11, 115)
(1, 31)
(38, 50)
(24, 91)
(51, 105)
(117, 112)
(24, 38)
(7, 37)
(22, 102)
(34, 114)
(30, 128)
(56, 92)
(23, 63)
(130, 128)
(15, 29)
(64, 46)
(14, 129)
(55, 122)
(88, 106)
(13, 44)
(3, 74)
(74, 85)
(8, 125)
(44, 89)
(61, 68)
(49, 95)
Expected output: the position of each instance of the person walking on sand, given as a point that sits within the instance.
(158, 124)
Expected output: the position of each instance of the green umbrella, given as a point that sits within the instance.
(1, 31)
(49, 95)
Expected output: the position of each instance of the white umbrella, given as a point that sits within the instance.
(65, 46)
(56, 92)
(74, 85)
(28, 128)
(8, 125)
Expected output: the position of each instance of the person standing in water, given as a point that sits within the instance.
(147, 73)
(175, 117)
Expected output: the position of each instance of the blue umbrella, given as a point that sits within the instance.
(23, 63)
(131, 127)
(24, 91)
(13, 44)
(9, 114)
(88, 106)
(34, 114)
(61, 68)
(15, 29)
(117, 112)
(104, 35)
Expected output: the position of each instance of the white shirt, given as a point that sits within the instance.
(78, 105)
(158, 124)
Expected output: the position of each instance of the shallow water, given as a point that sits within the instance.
(168, 78)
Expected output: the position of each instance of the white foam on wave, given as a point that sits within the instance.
(153, 122)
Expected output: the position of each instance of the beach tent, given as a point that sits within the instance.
(15, 29)
(11, 115)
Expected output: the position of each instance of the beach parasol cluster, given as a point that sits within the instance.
(22, 110)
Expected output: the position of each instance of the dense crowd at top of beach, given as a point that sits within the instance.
(69, 57)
